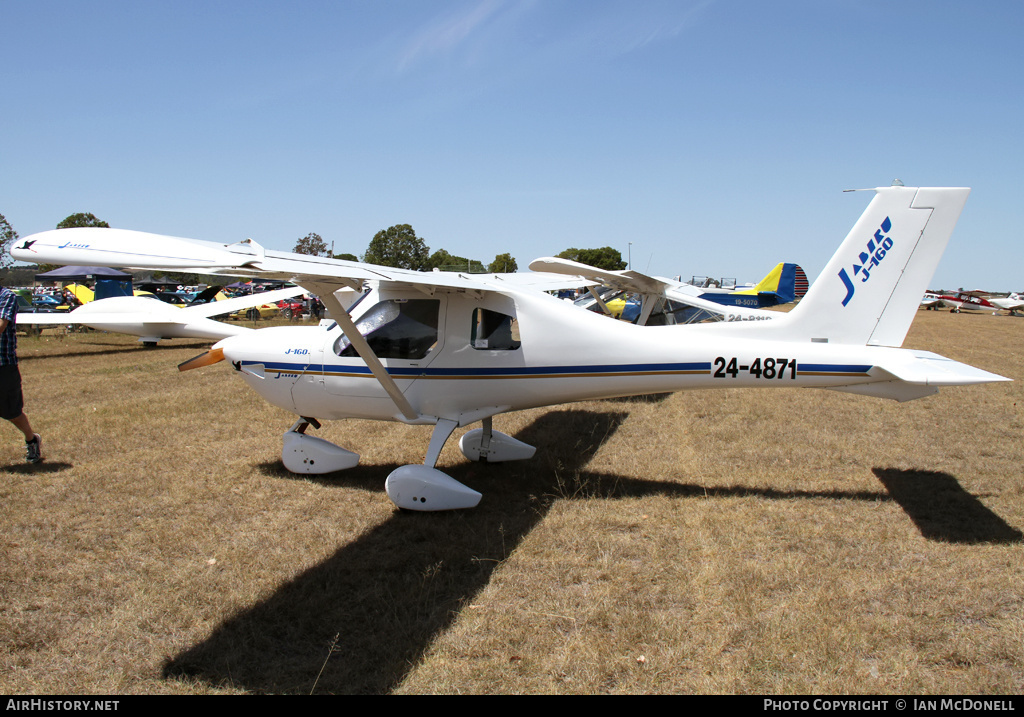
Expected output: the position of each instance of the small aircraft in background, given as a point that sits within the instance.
(783, 284)
(644, 300)
(931, 301)
(679, 303)
(1012, 302)
(981, 301)
(451, 350)
(151, 319)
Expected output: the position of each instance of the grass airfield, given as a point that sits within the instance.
(782, 541)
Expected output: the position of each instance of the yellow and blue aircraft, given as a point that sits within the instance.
(784, 284)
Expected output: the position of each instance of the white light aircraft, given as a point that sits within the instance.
(982, 301)
(1013, 302)
(151, 319)
(450, 350)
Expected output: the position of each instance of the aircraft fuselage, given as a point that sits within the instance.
(549, 352)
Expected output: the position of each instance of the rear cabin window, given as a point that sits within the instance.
(396, 329)
(494, 331)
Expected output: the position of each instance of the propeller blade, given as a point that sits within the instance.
(210, 357)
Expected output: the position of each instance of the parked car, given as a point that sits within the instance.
(25, 306)
(47, 302)
(291, 308)
(255, 313)
(176, 298)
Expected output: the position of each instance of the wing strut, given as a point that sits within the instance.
(339, 314)
(600, 302)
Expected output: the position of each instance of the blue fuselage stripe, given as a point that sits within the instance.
(582, 371)
(833, 369)
(509, 372)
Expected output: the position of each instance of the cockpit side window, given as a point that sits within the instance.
(493, 331)
(396, 329)
(669, 313)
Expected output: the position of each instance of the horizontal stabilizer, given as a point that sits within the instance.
(916, 374)
(924, 368)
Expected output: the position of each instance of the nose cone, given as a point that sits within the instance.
(249, 353)
(272, 360)
(232, 347)
(273, 346)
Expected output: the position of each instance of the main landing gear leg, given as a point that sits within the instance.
(416, 487)
(423, 487)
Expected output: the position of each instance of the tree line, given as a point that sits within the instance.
(399, 247)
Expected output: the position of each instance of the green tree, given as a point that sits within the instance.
(503, 264)
(345, 257)
(398, 246)
(445, 261)
(603, 258)
(441, 258)
(82, 219)
(311, 244)
(7, 237)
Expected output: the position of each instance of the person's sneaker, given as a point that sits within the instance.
(34, 449)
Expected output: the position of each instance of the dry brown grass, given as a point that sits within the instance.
(786, 541)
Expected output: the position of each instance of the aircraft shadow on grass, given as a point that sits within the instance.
(357, 622)
(38, 468)
(942, 510)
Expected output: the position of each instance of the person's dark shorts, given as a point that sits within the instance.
(11, 401)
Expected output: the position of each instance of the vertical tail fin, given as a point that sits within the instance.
(783, 284)
(870, 290)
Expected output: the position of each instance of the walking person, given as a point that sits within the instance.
(11, 399)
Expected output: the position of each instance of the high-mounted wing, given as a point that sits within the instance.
(321, 276)
(140, 250)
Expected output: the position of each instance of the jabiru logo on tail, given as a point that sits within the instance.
(876, 250)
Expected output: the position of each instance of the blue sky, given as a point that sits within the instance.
(716, 136)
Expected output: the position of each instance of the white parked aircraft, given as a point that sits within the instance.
(1013, 302)
(151, 319)
(450, 350)
(958, 301)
